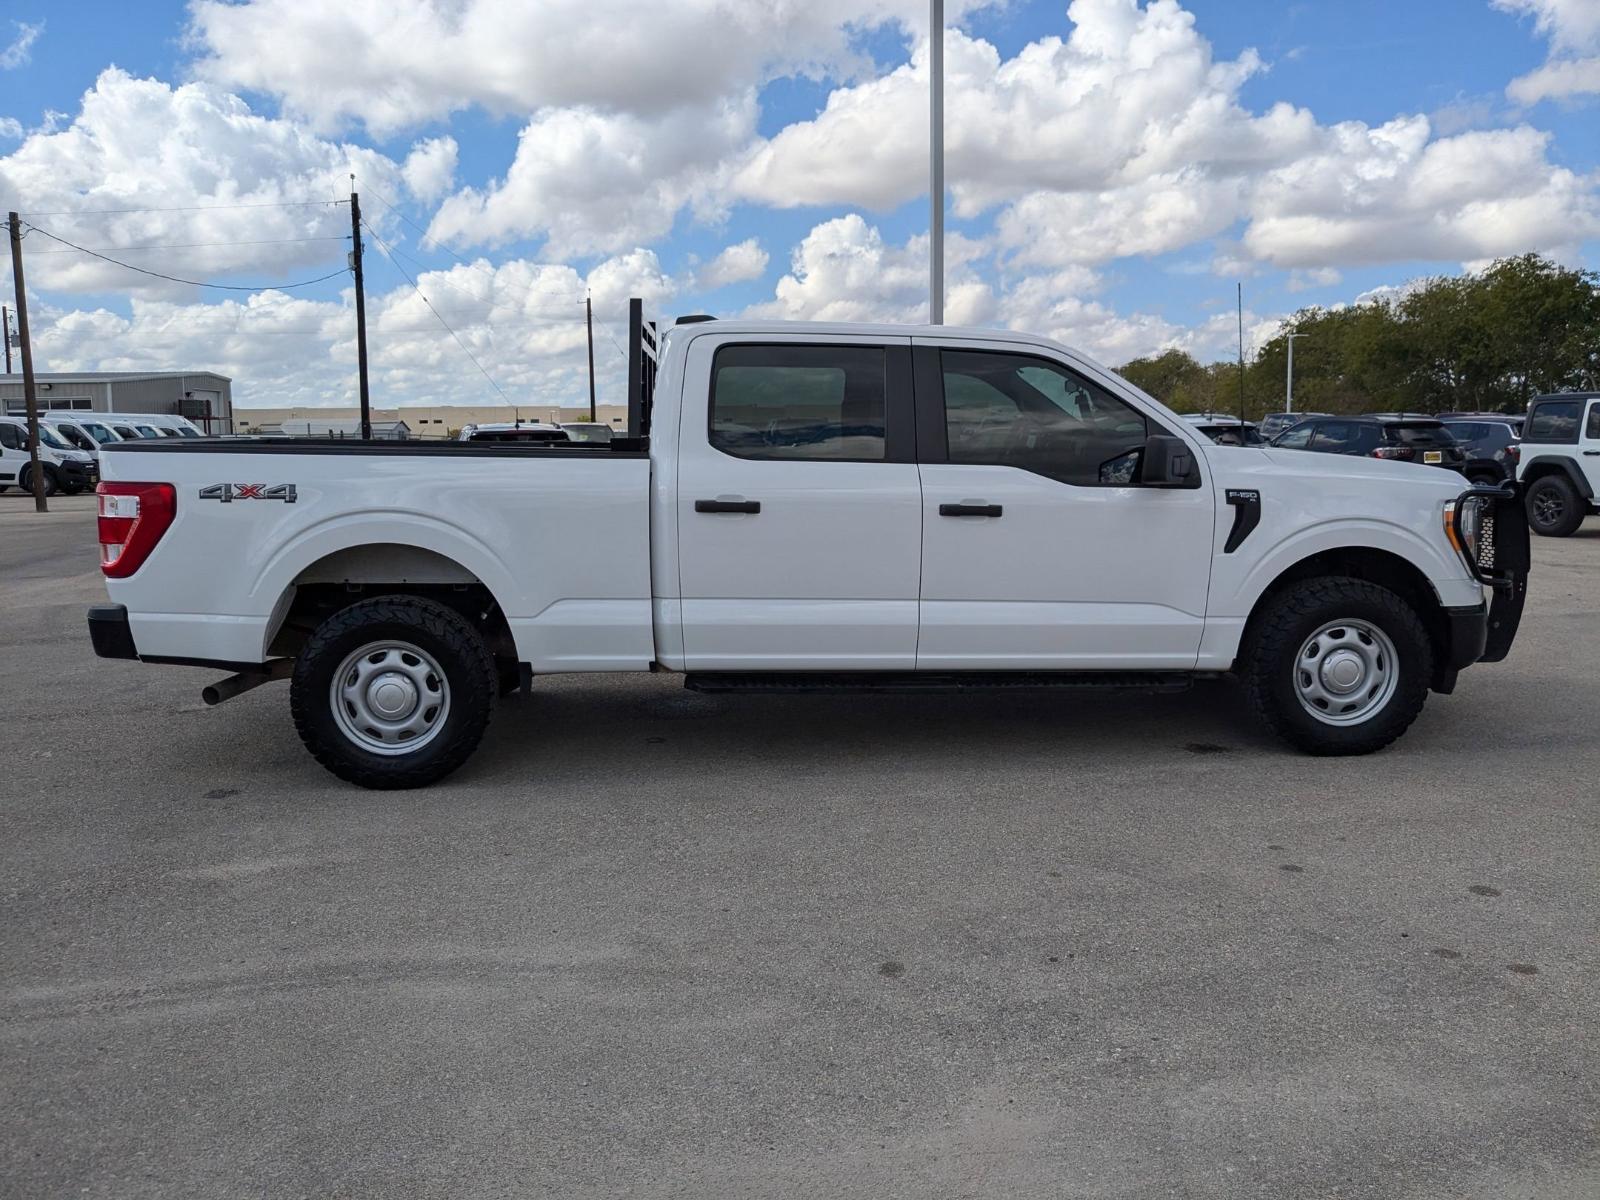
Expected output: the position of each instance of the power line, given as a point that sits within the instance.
(429, 239)
(226, 287)
(100, 212)
(198, 245)
(382, 245)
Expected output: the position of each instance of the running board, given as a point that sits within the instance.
(929, 681)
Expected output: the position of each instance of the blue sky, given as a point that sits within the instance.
(1318, 151)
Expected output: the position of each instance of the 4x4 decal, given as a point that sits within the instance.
(229, 492)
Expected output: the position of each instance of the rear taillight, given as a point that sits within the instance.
(1402, 452)
(1514, 452)
(133, 516)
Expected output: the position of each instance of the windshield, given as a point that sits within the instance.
(51, 438)
(148, 431)
(98, 432)
(185, 431)
(128, 432)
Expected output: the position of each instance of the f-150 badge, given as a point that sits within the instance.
(229, 492)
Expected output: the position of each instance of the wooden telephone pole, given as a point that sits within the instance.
(5, 332)
(29, 392)
(361, 314)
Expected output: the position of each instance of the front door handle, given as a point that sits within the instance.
(1591, 453)
(969, 510)
(727, 506)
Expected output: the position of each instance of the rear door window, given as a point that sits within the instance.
(1553, 421)
(819, 403)
(1334, 437)
(1421, 434)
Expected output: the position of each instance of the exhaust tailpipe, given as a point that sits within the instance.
(234, 685)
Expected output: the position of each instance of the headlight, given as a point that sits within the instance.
(1470, 529)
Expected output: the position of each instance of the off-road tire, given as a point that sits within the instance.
(1268, 664)
(447, 637)
(1544, 491)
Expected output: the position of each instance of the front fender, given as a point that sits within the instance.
(1237, 595)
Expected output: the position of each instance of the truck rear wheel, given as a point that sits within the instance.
(1554, 507)
(1338, 666)
(393, 692)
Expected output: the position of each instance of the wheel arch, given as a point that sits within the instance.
(358, 571)
(1544, 465)
(1372, 565)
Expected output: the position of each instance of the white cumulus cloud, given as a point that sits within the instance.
(208, 176)
(1573, 69)
(737, 263)
(430, 168)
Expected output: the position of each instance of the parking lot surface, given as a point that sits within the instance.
(650, 943)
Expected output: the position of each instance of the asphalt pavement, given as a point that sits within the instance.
(651, 943)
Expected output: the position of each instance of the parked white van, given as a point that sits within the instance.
(84, 431)
(65, 469)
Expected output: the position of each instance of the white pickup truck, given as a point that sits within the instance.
(808, 506)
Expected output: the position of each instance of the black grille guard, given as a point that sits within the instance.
(1501, 561)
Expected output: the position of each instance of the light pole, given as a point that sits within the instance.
(1289, 386)
(936, 162)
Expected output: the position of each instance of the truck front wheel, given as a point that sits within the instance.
(1337, 666)
(393, 692)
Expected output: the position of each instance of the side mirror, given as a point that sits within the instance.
(1168, 462)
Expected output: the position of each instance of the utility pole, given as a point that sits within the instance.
(936, 162)
(1241, 354)
(1288, 390)
(29, 392)
(361, 314)
(5, 332)
(588, 320)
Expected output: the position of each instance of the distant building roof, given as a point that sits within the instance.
(110, 376)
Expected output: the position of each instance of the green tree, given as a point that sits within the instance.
(1481, 341)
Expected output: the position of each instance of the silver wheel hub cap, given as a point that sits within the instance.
(389, 697)
(1346, 672)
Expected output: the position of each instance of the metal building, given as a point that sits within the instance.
(205, 397)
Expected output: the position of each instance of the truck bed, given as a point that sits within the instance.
(559, 535)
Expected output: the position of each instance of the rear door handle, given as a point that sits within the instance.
(727, 506)
(970, 510)
(1591, 453)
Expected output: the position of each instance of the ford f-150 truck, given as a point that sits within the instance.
(808, 506)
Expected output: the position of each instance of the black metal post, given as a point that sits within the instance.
(588, 320)
(361, 316)
(635, 367)
(29, 392)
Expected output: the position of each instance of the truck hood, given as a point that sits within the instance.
(1346, 466)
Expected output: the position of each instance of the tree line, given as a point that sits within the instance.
(1481, 342)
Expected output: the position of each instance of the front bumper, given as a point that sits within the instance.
(77, 475)
(1502, 562)
(109, 632)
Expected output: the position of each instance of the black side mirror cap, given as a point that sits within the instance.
(1168, 462)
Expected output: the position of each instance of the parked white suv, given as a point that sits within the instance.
(808, 506)
(65, 469)
(1560, 464)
